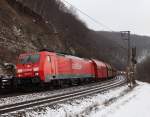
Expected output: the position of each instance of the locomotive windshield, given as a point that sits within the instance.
(29, 59)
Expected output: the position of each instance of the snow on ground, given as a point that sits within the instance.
(135, 104)
(118, 102)
(32, 96)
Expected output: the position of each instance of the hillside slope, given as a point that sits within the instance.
(25, 27)
(19, 32)
(141, 42)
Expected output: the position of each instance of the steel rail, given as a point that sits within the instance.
(62, 97)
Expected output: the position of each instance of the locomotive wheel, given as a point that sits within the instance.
(79, 81)
(82, 81)
(41, 86)
(70, 82)
(88, 80)
(57, 84)
(60, 83)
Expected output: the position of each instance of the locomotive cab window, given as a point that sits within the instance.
(28, 59)
(48, 59)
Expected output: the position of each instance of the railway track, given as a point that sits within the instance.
(20, 93)
(50, 100)
(52, 90)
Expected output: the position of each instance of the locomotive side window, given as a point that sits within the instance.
(48, 59)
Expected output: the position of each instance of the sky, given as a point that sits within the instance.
(116, 15)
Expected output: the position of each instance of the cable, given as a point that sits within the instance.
(94, 20)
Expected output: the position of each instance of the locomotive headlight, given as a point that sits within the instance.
(36, 74)
(35, 69)
(19, 71)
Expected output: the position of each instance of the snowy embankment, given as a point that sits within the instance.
(119, 102)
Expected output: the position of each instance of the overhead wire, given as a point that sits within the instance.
(91, 18)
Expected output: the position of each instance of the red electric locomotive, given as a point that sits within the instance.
(46, 67)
